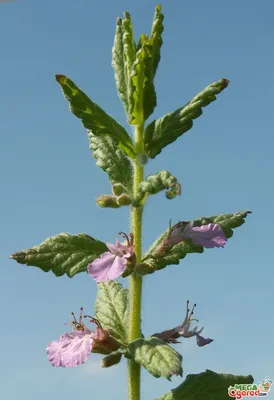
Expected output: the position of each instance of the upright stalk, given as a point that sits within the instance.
(135, 282)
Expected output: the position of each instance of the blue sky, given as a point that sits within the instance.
(49, 183)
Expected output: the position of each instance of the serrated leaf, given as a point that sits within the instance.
(93, 117)
(154, 184)
(128, 44)
(119, 64)
(160, 133)
(158, 257)
(142, 92)
(157, 357)
(112, 160)
(207, 385)
(111, 308)
(156, 37)
(62, 254)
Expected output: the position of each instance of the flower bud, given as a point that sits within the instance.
(118, 189)
(107, 201)
(124, 200)
(111, 359)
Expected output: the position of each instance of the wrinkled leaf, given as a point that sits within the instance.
(111, 308)
(207, 385)
(113, 161)
(119, 64)
(62, 254)
(158, 256)
(157, 357)
(160, 133)
(142, 91)
(156, 37)
(93, 117)
(156, 183)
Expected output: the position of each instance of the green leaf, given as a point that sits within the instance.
(160, 133)
(156, 183)
(158, 256)
(93, 117)
(113, 161)
(128, 44)
(157, 357)
(120, 64)
(62, 254)
(207, 385)
(111, 309)
(123, 56)
(156, 37)
(142, 92)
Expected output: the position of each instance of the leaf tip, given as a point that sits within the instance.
(61, 78)
(225, 82)
(127, 15)
(158, 8)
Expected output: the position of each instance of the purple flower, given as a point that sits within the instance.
(183, 330)
(112, 263)
(73, 348)
(208, 236)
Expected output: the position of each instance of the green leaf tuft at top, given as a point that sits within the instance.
(62, 254)
(158, 257)
(135, 66)
(207, 385)
(93, 117)
(161, 132)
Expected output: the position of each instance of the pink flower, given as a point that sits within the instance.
(183, 330)
(112, 263)
(73, 348)
(208, 236)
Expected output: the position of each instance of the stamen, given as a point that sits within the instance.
(81, 315)
(93, 320)
(125, 236)
(192, 311)
(75, 320)
(131, 239)
(78, 325)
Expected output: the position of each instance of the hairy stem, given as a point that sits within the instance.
(135, 282)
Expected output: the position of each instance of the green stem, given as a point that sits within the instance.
(135, 282)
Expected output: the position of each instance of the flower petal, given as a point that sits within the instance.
(112, 248)
(201, 341)
(117, 269)
(70, 350)
(107, 267)
(175, 237)
(208, 236)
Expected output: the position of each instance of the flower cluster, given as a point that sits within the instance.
(73, 348)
